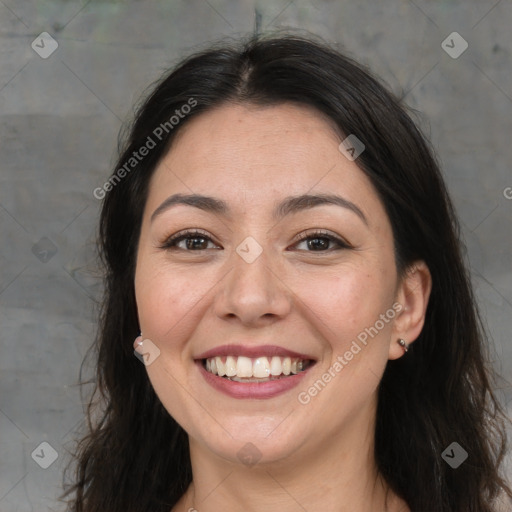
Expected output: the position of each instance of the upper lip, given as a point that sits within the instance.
(252, 352)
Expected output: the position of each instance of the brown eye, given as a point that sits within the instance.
(194, 241)
(321, 242)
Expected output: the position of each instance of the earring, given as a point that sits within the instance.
(138, 341)
(403, 344)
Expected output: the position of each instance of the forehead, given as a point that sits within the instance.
(255, 155)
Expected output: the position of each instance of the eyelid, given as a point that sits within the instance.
(322, 233)
(308, 234)
(183, 234)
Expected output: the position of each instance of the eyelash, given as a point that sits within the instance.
(170, 242)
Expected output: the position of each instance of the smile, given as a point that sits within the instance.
(259, 372)
(259, 369)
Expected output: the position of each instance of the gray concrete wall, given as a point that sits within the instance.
(60, 115)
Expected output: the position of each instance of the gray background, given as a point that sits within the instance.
(59, 122)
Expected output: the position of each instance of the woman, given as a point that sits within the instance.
(283, 256)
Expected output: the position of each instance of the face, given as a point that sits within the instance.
(263, 282)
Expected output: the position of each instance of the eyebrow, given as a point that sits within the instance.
(290, 205)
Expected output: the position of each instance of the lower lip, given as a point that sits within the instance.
(257, 390)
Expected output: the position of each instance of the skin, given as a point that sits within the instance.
(319, 455)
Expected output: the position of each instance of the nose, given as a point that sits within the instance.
(253, 293)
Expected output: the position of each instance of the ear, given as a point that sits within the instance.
(412, 294)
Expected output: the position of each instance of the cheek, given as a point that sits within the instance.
(348, 304)
(167, 300)
(170, 305)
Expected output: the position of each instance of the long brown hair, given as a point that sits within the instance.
(135, 457)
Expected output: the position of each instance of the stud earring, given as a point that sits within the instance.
(138, 341)
(403, 344)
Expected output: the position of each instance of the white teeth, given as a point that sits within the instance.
(243, 367)
(276, 368)
(221, 367)
(259, 368)
(230, 366)
(287, 363)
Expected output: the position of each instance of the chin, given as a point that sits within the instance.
(250, 441)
